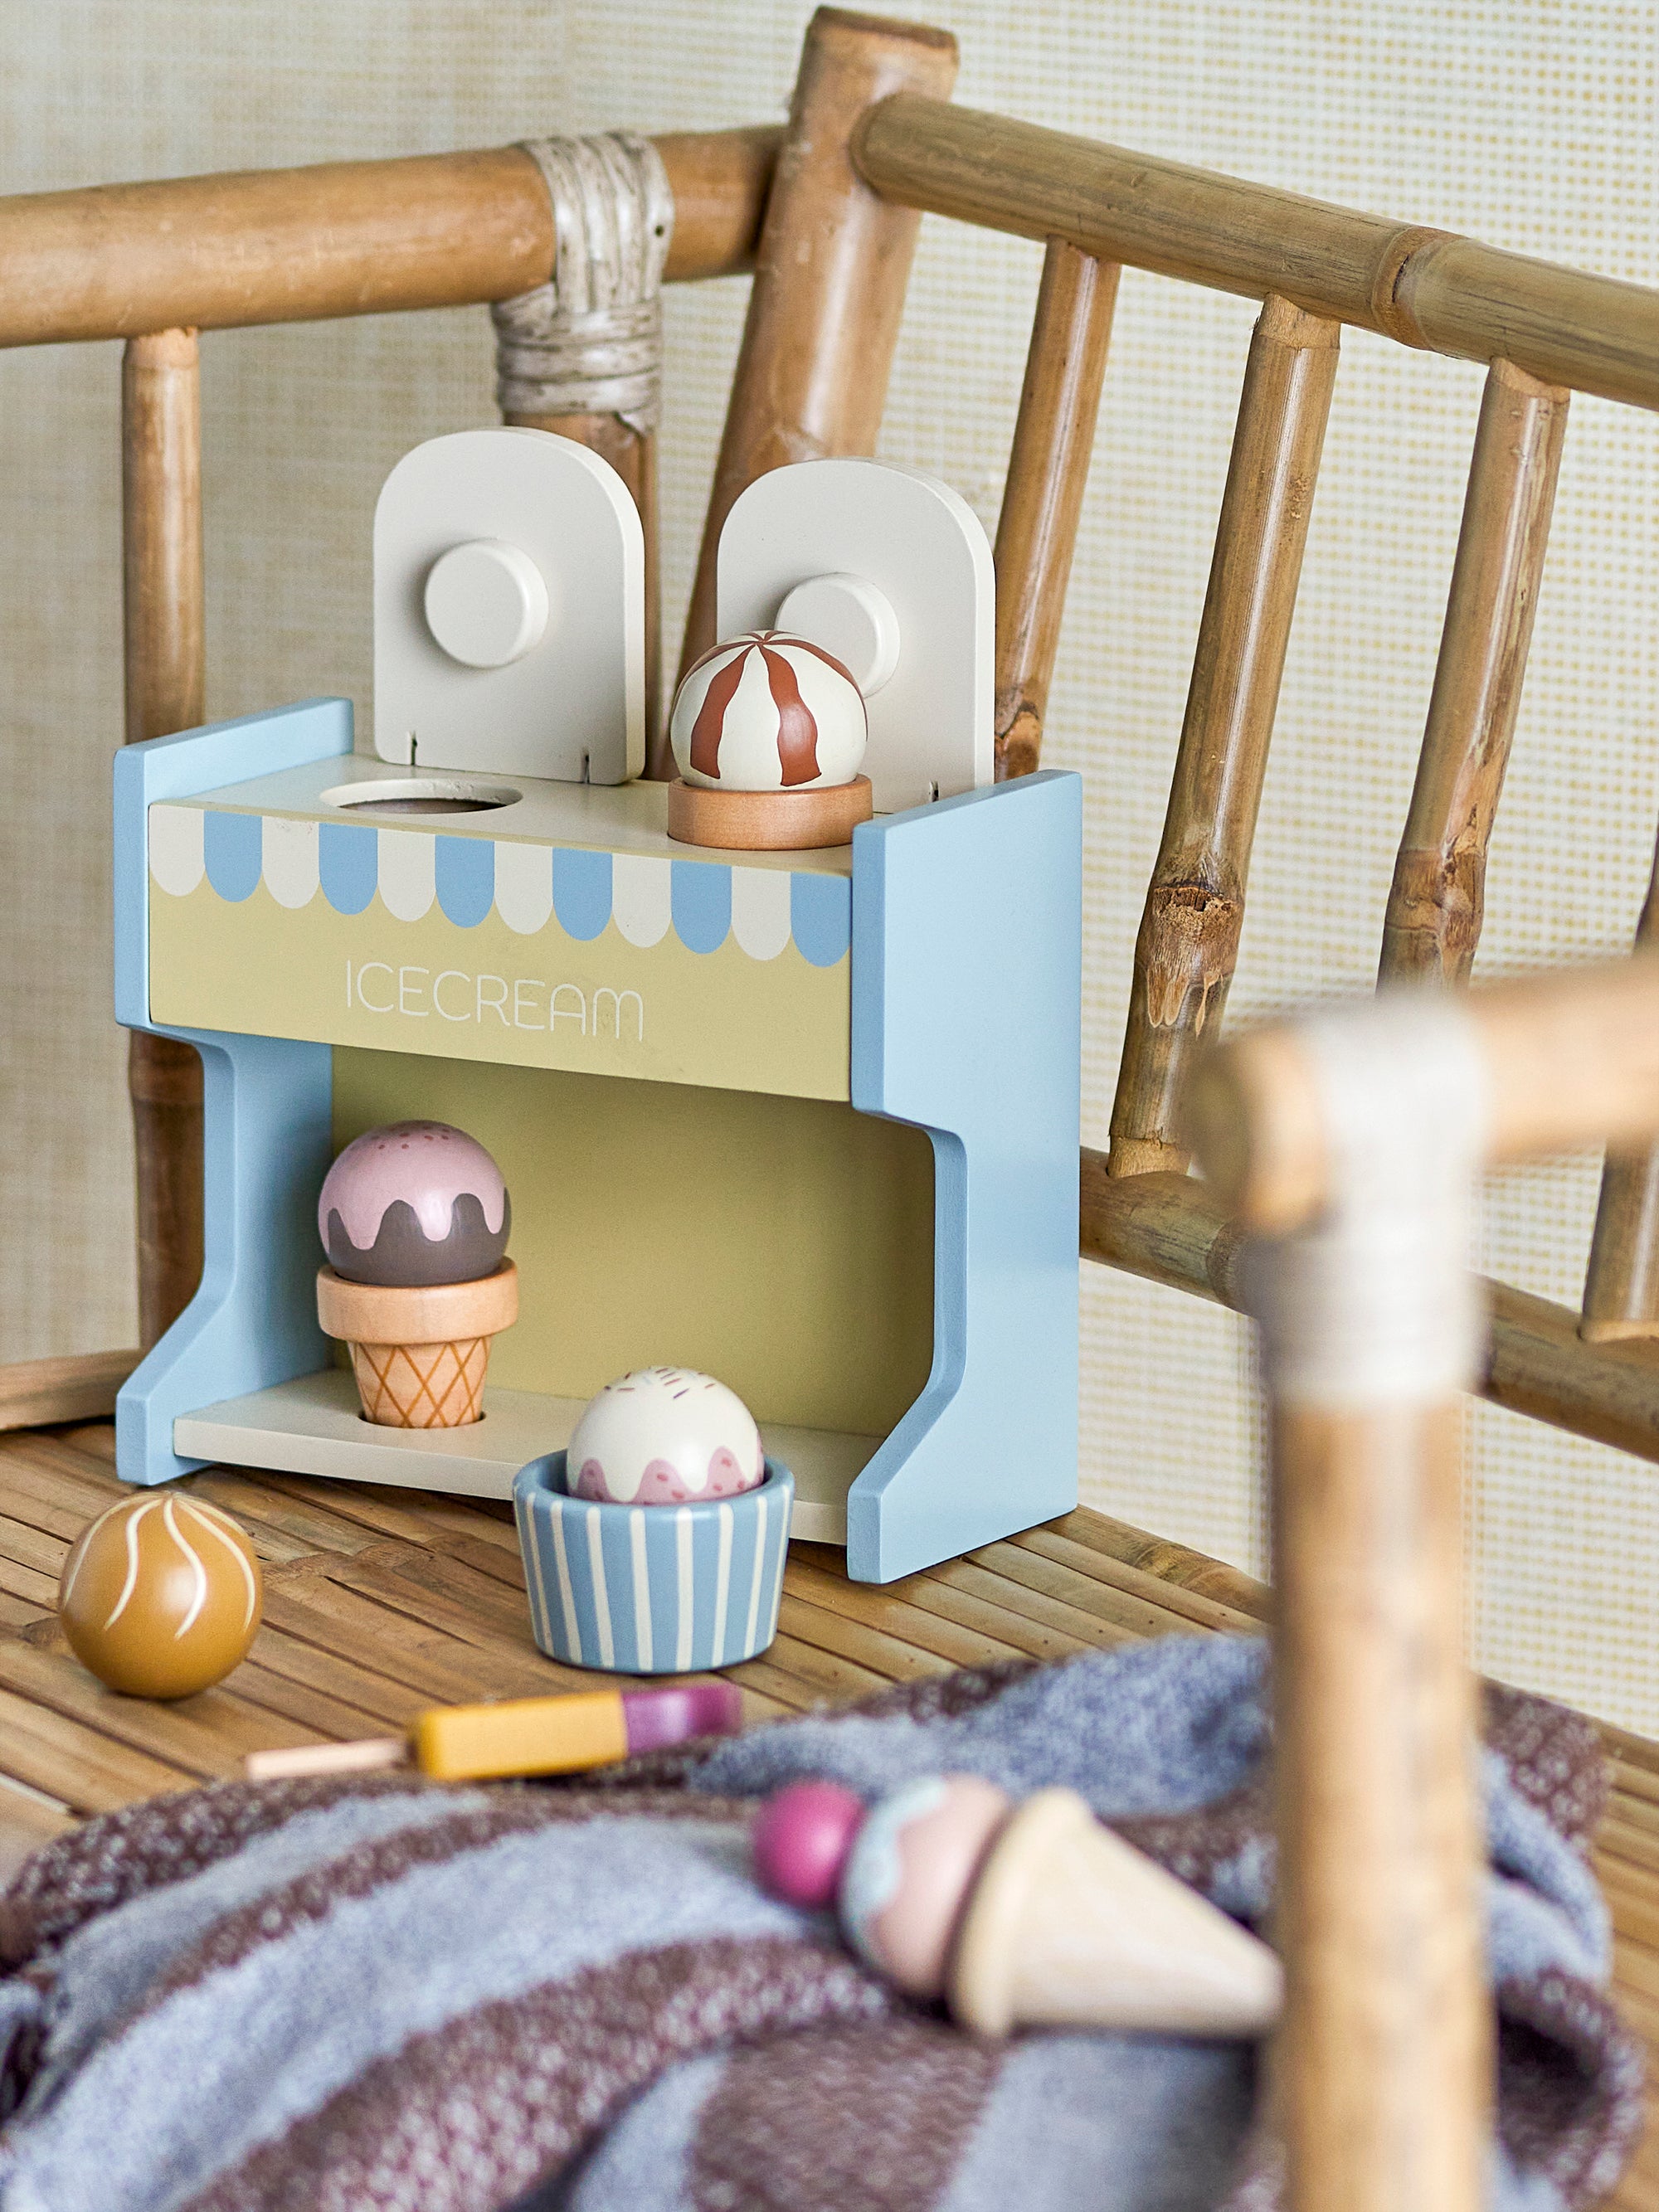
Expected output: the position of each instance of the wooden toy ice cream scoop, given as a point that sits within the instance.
(160, 1596)
(1032, 1916)
(663, 1436)
(414, 1219)
(769, 731)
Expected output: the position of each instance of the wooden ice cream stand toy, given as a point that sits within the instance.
(801, 1114)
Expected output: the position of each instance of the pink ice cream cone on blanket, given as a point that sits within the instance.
(1034, 1916)
(415, 1218)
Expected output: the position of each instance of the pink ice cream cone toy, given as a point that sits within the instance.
(414, 1219)
(1027, 1917)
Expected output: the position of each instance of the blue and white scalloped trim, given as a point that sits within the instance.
(703, 902)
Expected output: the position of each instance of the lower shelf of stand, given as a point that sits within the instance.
(313, 1427)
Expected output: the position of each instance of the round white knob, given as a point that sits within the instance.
(486, 602)
(851, 619)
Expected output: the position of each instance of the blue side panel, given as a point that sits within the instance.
(182, 768)
(266, 1113)
(266, 1146)
(967, 1017)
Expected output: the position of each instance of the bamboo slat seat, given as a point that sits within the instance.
(378, 1602)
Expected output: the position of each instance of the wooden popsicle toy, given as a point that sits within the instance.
(524, 1736)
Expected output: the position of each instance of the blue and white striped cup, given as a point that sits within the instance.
(652, 1589)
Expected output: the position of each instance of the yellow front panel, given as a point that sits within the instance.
(784, 1244)
(490, 993)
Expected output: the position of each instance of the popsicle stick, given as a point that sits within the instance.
(368, 1757)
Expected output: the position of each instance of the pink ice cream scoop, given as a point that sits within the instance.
(414, 1203)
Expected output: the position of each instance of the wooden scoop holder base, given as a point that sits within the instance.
(800, 821)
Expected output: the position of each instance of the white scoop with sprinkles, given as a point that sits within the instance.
(664, 1436)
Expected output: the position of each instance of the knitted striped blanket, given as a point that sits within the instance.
(400, 1995)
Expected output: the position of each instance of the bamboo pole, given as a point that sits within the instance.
(1042, 495)
(1621, 1283)
(344, 237)
(830, 275)
(1384, 2059)
(1436, 901)
(162, 506)
(1188, 939)
(1384, 2065)
(1424, 287)
(1171, 1228)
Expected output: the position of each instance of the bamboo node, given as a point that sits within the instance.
(1435, 911)
(1391, 287)
(1188, 944)
(1019, 744)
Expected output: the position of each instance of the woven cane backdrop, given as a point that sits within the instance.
(1529, 123)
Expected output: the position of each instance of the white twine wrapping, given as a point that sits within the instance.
(1373, 1304)
(589, 342)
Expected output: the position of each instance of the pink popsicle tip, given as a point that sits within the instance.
(800, 1840)
(656, 1720)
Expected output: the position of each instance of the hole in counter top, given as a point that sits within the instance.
(426, 794)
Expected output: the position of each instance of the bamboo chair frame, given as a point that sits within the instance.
(825, 214)
(140, 261)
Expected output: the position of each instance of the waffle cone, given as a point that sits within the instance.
(1070, 1926)
(422, 1386)
(420, 1354)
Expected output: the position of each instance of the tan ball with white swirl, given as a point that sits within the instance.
(161, 1597)
(768, 712)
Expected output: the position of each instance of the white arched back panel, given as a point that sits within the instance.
(892, 569)
(509, 610)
